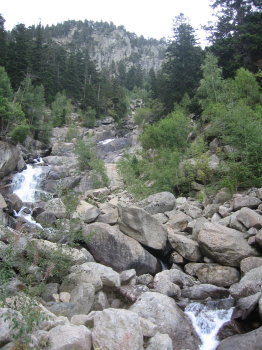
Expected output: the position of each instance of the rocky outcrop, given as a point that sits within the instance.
(10, 159)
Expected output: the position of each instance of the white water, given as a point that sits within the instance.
(104, 142)
(25, 184)
(207, 323)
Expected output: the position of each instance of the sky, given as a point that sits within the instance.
(150, 18)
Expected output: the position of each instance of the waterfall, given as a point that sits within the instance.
(26, 186)
(207, 320)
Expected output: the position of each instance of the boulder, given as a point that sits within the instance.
(221, 276)
(131, 293)
(178, 220)
(185, 246)
(160, 341)
(86, 212)
(203, 291)
(143, 227)
(69, 336)
(2, 202)
(244, 306)
(117, 329)
(111, 247)
(251, 340)
(248, 285)
(10, 158)
(224, 245)
(249, 218)
(108, 276)
(169, 319)
(245, 201)
(250, 263)
(108, 215)
(56, 207)
(158, 203)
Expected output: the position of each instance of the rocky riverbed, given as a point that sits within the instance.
(136, 266)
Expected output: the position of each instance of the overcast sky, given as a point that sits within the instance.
(150, 18)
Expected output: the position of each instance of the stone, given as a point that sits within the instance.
(178, 220)
(117, 329)
(71, 337)
(143, 227)
(251, 340)
(158, 203)
(7, 330)
(169, 319)
(162, 218)
(210, 210)
(224, 245)
(56, 207)
(259, 238)
(218, 275)
(176, 258)
(160, 341)
(185, 246)
(108, 276)
(131, 293)
(197, 226)
(250, 263)
(126, 276)
(244, 306)
(203, 291)
(111, 247)
(86, 212)
(100, 302)
(245, 201)
(248, 285)
(10, 157)
(222, 196)
(80, 319)
(249, 218)
(108, 215)
(77, 278)
(145, 279)
(49, 291)
(64, 297)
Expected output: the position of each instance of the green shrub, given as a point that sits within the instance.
(20, 132)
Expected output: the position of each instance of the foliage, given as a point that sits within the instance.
(170, 132)
(20, 132)
(88, 117)
(60, 108)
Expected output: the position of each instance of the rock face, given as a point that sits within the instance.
(118, 330)
(138, 224)
(111, 247)
(163, 311)
(224, 245)
(10, 159)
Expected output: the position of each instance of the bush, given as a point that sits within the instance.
(20, 132)
(88, 117)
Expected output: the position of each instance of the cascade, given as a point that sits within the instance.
(207, 319)
(26, 186)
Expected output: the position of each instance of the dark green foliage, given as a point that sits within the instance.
(20, 132)
(60, 108)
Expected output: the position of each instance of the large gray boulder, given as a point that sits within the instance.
(222, 276)
(69, 337)
(164, 312)
(117, 329)
(10, 159)
(249, 218)
(250, 341)
(203, 291)
(249, 284)
(185, 246)
(158, 203)
(56, 207)
(245, 201)
(111, 247)
(224, 245)
(160, 341)
(86, 212)
(250, 263)
(143, 227)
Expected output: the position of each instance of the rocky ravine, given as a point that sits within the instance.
(116, 295)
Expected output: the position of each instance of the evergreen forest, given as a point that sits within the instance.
(199, 98)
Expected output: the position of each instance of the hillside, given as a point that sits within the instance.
(109, 46)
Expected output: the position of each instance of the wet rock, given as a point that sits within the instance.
(138, 224)
(224, 245)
